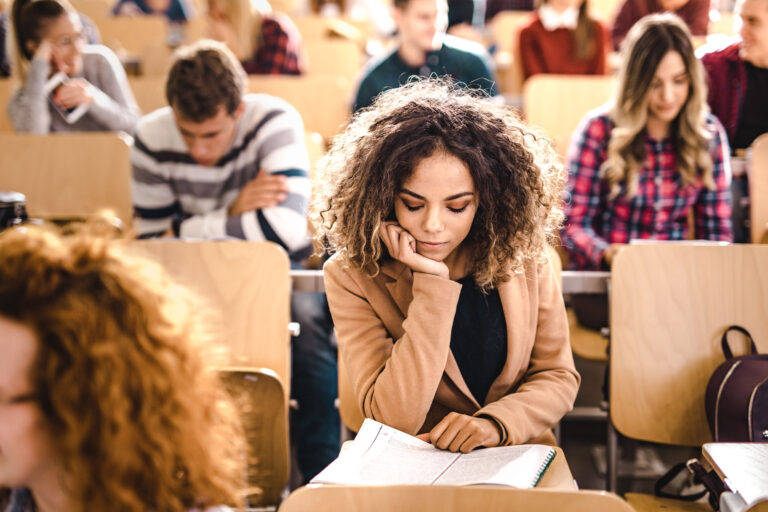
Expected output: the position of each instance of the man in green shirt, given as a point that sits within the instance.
(424, 49)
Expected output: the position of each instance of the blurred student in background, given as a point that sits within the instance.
(93, 92)
(694, 13)
(424, 49)
(106, 398)
(561, 37)
(177, 11)
(90, 34)
(218, 163)
(266, 43)
(639, 168)
(737, 75)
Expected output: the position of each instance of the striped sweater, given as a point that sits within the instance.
(169, 184)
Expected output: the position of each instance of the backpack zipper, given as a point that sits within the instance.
(717, 402)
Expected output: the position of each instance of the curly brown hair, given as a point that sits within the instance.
(517, 174)
(137, 416)
(204, 76)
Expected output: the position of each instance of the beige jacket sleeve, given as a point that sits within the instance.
(549, 385)
(395, 380)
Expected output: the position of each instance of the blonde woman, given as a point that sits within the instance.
(639, 168)
(106, 396)
(66, 84)
(438, 205)
(266, 43)
(561, 37)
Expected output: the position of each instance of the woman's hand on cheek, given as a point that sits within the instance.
(402, 247)
(460, 432)
(44, 51)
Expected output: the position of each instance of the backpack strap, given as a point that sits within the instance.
(712, 483)
(727, 348)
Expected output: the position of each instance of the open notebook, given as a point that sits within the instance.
(381, 455)
(743, 467)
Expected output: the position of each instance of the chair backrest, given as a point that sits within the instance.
(68, 176)
(313, 27)
(340, 498)
(557, 103)
(247, 285)
(758, 189)
(670, 304)
(259, 397)
(504, 31)
(322, 101)
(96, 10)
(134, 34)
(7, 87)
(349, 410)
(723, 22)
(604, 10)
(336, 57)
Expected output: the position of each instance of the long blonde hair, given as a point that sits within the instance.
(121, 378)
(649, 40)
(244, 16)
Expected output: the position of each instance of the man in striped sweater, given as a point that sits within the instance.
(220, 164)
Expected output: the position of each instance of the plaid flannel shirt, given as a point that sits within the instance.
(279, 51)
(660, 208)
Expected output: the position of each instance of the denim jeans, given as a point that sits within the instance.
(314, 384)
(740, 209)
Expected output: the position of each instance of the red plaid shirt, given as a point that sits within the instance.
(279, 51)
(660, 208)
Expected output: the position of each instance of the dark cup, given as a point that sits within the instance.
(13, 209)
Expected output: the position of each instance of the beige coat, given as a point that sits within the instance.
(394, 334)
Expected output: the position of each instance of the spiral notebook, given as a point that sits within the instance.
(381, 455)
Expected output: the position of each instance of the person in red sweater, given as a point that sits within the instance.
(695, 14)
(561, 37)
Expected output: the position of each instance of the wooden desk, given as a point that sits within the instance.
(573, 281)
(558, 474)
(744, 465)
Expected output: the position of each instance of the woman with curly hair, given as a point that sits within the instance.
(640, 167)
(106, 401)
(438, 205)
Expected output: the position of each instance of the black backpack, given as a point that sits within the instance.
(736, 403)
(736, 400)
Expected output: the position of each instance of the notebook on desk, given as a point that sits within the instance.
(742, 466)
(381, 455)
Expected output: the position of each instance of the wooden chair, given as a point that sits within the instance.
(723, 22)
(758, 190)
(259, 397)
(412, 498)
(133, 35)
(504, 29)
(248, 284)
(324, 102)
(336, 57)
(604, 10)
(313, 27)
(97, 10)
(557, 103)
(670, 304)
(7, 86)
(69, 176)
